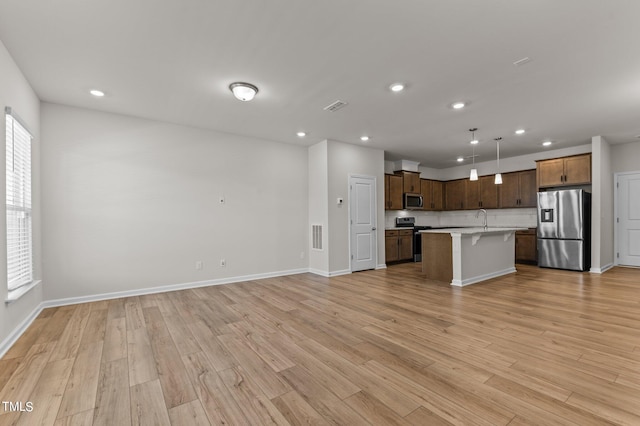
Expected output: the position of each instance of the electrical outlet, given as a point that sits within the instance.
(223, 263)
(198, 265)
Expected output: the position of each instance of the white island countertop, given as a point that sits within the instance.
(476, 230)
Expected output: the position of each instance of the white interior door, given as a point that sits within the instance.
(628, 219)
(362, 207)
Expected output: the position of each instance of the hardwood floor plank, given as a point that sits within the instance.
(297, 411)
(176, 386)
(84, 418)
(372, 410)
(95, 329)
(47, 395)
(218, 355)
(257, 407)
(80, 393)
(69, 340)
(188, 414)
(147, 405)
(142, 367)
(113, 405)
(115, 340)
(422, 416)
(28, 338)
(22, 382)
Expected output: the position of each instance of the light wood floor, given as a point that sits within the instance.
(379, 347)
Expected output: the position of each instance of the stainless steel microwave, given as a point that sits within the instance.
(412, 201)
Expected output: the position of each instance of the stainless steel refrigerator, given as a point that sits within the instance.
(564, 229)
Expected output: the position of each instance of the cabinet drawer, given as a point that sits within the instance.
(391, 233)
(405, 232)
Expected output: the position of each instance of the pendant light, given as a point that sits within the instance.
(498, 179)
(474, 171)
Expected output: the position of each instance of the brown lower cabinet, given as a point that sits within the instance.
(398, 244)
(527, 246)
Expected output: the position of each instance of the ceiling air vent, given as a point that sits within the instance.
(333, 107)
(522, 61)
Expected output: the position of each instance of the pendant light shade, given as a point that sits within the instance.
(498, 179)
(474, 172)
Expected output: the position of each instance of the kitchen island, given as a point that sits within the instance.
(464, 256)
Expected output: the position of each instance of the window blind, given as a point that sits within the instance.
(19, 221)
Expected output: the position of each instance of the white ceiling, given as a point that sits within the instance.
(174, 60)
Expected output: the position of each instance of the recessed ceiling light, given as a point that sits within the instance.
(457, 105)
(397, 87)
(519, 131)
(460, 159)
(97, 93)
(546, 143)
(474, 142)
(364, 138)
(243, 91)
(301, 134)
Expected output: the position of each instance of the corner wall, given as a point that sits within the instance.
(16, 92)
(133, 204)
(318, 206)
(602, 206)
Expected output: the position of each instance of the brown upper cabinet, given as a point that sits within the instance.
(518, 189)
(393, 192)
(411, 181)
(432, 194)
(574, 170)
(481, 193)
(455, 194)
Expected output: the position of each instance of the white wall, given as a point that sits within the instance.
(625, 157)
(344, 160)
(319, 205)
(602, 206)
(16, 93)
(132, 203)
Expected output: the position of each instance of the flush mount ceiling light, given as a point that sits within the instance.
(546, 143)
(364, 138)
(97, 93)
(397, 87)
(519, 131)
(243, 91)
(460, 159)
(498, 179)
(474, 172)
(457, 105)
(301, 134)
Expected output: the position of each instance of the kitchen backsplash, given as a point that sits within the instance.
(525, 218)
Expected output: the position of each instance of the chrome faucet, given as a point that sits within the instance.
(485, 217)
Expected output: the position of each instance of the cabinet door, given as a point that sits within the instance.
(488, 192)
(472, 194)
(425, 190)
(437, 195)
(551, 172)
(577, 170)
(509, 190)
(391, 246)
(526, 247)
(411, 182)
(454, 195)
(528, 190)
(406, 245)
(393, 191)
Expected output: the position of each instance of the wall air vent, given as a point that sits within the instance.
(335, 106)
(316, 237)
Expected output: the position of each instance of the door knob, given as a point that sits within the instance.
(374, 228)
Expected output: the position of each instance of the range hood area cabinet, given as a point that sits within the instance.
(410, 181)
(564, 171)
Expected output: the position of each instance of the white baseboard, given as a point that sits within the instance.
(601, 270)
(484, 277)
(6, 344)
(382, 266)
(338, 273)
(319, 272)
(13, 337)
